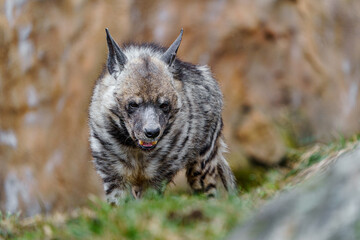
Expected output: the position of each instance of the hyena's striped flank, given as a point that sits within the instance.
(152, 115)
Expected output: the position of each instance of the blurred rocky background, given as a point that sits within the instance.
(289, 70)
(325, 207)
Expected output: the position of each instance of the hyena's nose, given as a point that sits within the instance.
(152, 132)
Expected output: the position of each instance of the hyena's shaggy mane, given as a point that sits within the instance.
(179, 69)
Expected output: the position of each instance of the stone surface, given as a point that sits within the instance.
(325, 207)
(260, 140)
(51, 53)
(294, 62)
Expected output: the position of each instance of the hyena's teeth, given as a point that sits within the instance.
(147, 144)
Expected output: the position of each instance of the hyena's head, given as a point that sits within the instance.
(146, 93)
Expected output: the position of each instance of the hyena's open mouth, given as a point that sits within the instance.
(147, 145)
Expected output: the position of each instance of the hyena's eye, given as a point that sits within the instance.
(132, 106)
(165, 107)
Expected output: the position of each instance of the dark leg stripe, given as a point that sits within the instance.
(105, 156)
(103, 161)
(205, 174)
(222, 177)
(211, 173)
(106, 169)
(196, 173)
(100, 156)
(111, 188)
(191, 181)
(109, 179)
(210, 186)
(189, 170)
(202, 165)
(169, 175)
(191, 163)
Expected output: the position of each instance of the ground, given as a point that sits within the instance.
(178, 215)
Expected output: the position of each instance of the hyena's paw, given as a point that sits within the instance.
(136, 192)
(116, 196)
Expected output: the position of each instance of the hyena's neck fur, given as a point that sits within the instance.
(192, 139)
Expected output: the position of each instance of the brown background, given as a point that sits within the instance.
(289, 71)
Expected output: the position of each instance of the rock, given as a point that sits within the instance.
(51, 54)
(260, 140)
(325, 207)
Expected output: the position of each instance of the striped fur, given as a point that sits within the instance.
(190, 135)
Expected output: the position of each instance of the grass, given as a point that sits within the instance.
(154, 217)
(175, 215)
(299, 160)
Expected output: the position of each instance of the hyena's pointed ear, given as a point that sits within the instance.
(116, 58)
(169, 56)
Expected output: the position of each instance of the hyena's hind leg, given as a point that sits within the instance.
(202, 178)
(202, 175)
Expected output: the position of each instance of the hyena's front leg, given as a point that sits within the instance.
(115, 189)
(201, 177)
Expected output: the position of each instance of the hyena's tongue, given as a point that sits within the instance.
(147, 144)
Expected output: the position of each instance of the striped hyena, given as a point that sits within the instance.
(152, 115)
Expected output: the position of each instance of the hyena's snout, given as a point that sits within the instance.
(150, 130)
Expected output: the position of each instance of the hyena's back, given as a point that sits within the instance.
(191, 136)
